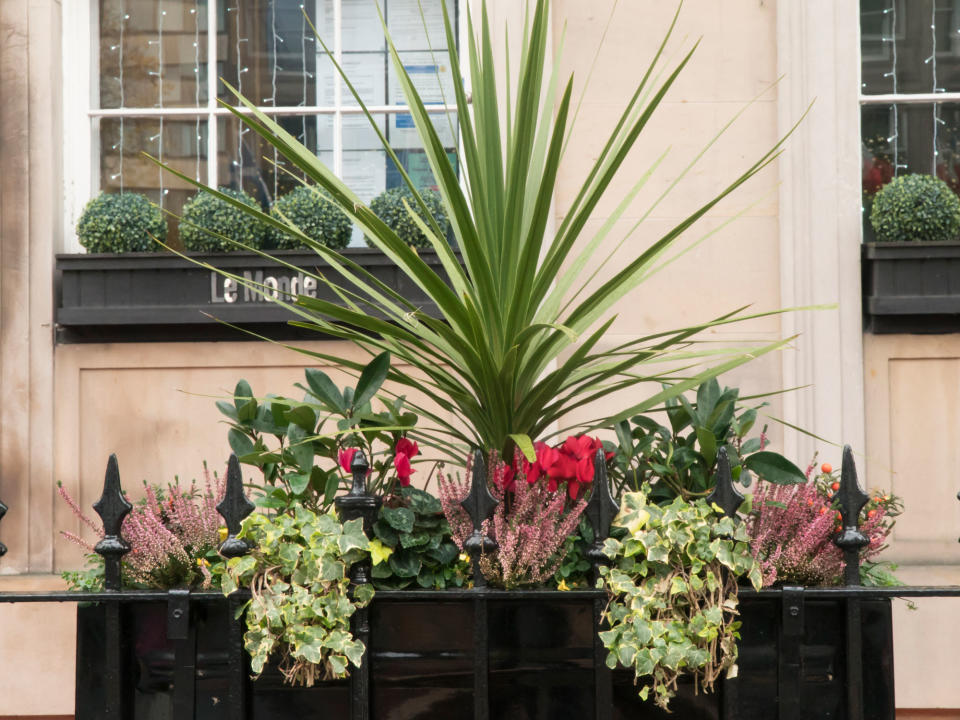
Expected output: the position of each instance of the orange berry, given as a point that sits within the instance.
(835, 487)
(809, 503)
(826, 468)
(871, 513)
(823, 511)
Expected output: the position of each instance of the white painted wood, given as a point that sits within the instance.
(818, 55)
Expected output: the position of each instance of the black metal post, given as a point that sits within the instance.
(788, 653)
(852, 499)
(234, 507)
(480, 505)
(600, 511)
(112, 507)
(182, 632)
(3, 511)
(359, 504)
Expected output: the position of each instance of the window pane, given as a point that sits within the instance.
(910, 46)
(901, 139)
(246, 160)
(123, 167)
(153, 53)
(367, 73)
(266, 50)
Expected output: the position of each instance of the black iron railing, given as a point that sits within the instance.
(480, 505)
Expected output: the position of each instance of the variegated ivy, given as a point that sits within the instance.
(673, 593)
(300, 607)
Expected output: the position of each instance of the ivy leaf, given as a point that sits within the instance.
(379, 552)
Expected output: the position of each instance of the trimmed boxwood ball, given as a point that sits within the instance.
(916, 208)
(206, 212)
(121, 222)
(308, 209)
(389, 207)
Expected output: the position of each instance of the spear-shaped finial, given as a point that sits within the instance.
(234, 507)
(852, 499)
(600, 511)
(479, 505)
(724, 494)
(112, 507)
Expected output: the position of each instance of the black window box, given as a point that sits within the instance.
(164, 297)
(911, 287)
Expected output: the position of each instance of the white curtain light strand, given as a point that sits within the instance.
(241, 69)
(195, 11)
(933, 61)
(303, 74)
(273, 83)
(158, 73)
(895, 120)
(118, 48)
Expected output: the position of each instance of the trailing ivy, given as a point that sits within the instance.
(300, 607)
(311, 210)
(673, 593)
(209, 223)
(121, 222)
(916, 208)
(389, 206)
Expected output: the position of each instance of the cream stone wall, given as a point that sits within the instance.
(65, 408)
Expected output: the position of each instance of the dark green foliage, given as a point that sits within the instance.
(916, 208)
(681, 460)
(389, 207)
(416, 545)
(205, 212)
(309, 209)
(121, 222)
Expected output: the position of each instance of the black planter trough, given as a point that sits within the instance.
(538, 662)
(164, 297)
(911, 287)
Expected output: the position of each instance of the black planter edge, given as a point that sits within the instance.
(887, 309)
(117, 320)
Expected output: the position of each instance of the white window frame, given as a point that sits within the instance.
(82, 112)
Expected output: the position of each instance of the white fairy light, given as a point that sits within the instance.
(273, 83)
(303, 72)
(195, 11)
(238, 163)
(933, 59)
(892, 10)
(123, 19)
(158, 138)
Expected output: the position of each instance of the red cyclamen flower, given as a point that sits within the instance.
(407, 447)
(346, 458)
(402, 464)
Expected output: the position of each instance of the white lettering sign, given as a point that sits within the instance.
(278, 286)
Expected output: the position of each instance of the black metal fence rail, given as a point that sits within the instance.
(480, 505)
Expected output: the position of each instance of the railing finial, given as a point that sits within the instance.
(479, 505)
(234, 507)
(3, 511)
(724, 494)
(112, 507)
(852, 499)
(601, 509)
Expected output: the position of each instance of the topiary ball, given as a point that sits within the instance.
(121, 222)
(389, 207)
(916, 208)
(311, 210)
(207, 212)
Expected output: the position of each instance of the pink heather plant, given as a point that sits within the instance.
(171, 533)
(530, 525)
(792, 529)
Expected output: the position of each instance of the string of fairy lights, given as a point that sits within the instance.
(158, 74)
(118, 48)
(195, 11)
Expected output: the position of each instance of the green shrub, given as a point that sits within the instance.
(916, 208)
(205, 212)
(389, 207)
(121, 222)
(309, 209)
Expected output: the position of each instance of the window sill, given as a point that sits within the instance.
(160, 297)
(911, 287)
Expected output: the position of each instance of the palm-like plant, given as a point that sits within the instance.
(516, 347)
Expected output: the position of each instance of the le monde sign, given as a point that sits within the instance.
(273, 286)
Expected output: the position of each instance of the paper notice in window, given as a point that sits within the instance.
(406, 24)
(366, 73)
(365, 172)
(360, 25)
